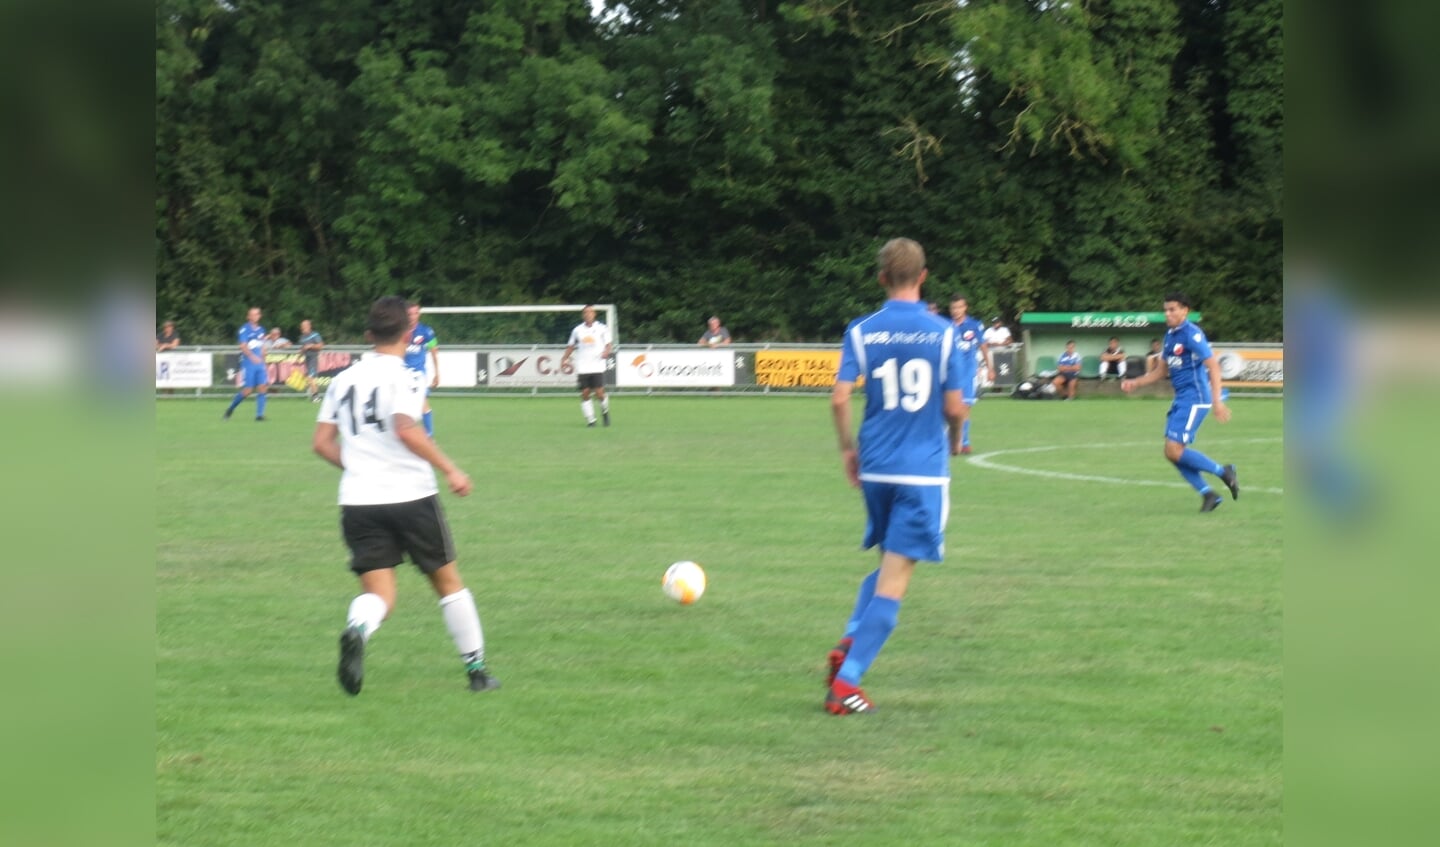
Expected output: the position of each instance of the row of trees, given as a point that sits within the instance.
(746, 157)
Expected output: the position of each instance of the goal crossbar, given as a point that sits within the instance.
(612, 316)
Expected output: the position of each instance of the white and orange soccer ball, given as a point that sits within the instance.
(684, 582)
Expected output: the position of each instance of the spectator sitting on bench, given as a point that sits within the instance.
(1069, 366)
(1155, 356)
(1112, 360)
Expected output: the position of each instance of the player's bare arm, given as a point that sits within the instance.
(840, 410)
(413, 436)
(956, 411)
(326, 443)
(1161, 371)
(1217, 403)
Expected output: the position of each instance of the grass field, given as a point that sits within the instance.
(1096, 663)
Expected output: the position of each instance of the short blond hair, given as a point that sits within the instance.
(901, 262)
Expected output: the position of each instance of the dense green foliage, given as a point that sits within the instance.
(735, 156)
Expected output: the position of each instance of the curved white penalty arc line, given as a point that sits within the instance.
(985, 460)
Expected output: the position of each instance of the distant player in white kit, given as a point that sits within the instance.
(590, 345)
(369, 427)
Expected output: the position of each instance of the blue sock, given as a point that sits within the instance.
(260, 405)
(1196, 460)
(429, 421)
(965, 433)
(236, 401)
(1193, 477)
(875, 626)
(867, 590)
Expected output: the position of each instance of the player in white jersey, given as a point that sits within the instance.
(369, 427)
(590, 345)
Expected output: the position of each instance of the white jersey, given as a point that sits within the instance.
(998, 336)
(362, 401)
(589, 343)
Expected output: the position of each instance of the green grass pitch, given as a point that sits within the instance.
(1096, 663)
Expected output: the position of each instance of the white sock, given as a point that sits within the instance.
(1122, 370)
(605, 403)
(588, 409)
(367, 612)
(463, 621)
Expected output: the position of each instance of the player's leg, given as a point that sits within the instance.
(1181, 425)
(910, 529)
(247, 384)
(428, 540)
(586, 407)
(262, 394)
(374, 554)
(604, 401)
(837, 653)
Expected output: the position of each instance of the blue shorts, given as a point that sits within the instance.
(255, 375)
(1183, 421)
(907, 519)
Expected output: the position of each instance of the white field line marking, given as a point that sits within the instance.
(984, 460)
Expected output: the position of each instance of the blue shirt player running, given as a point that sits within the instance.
(420, 345)
(970, 341)
(1194, 373)
(253, 374)
(901, 464)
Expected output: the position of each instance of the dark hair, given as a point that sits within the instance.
(954, 297)
(1177, 297)
(388, 320)
(1069, 341)
(1154, 341)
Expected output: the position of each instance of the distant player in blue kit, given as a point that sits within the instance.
(420, 345)
(254, 376)
(1194, 372)
(913, 391)
(970, 342)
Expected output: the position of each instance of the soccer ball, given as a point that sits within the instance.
(684, 582)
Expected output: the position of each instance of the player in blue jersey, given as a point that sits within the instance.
(901, 462)
(420, 345)
(1194, 373)
(970, 342)
(254, 375)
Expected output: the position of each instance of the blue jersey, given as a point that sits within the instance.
(1186, 348)
(252, 338)
(969, 335)
(908, 359)
(422, 338)
(1068, 360)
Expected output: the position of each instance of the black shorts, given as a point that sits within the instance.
(592, 380)
(381, 536)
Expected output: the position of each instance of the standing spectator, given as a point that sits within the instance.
(389, 501)
(590, 345)
(254, 375)
(1194, 373)
(1112, 359)
(997, 335)
(167, 338)
(715, 334)
(902, 463)
(1069, 366)
(969, 340)
(1156, 357)
(419, 348)
(311, 344)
